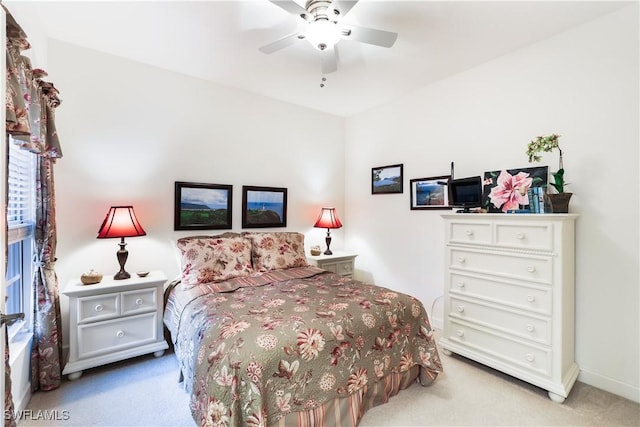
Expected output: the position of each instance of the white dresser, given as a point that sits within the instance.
(509, 295)
(114, 320)
(341, 263)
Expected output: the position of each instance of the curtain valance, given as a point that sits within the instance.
(30, 101)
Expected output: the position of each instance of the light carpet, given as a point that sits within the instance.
(144, 391)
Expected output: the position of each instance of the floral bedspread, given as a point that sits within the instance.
(253, 355)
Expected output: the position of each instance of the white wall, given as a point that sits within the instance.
(582, 84)
(129, 131)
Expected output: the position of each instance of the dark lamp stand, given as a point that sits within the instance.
(328, 241)
(122, 255)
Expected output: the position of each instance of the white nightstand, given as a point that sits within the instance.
(341, 263)
(114, 320)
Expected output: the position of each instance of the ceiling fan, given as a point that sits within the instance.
(323, 29)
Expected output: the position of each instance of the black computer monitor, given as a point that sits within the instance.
(466, 193)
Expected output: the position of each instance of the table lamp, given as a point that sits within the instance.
(328, 219)
(121, 222)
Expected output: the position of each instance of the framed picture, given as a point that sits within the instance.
(386, 179)
(264, 207)
(430, 193)
(508, 189)
(202, 206)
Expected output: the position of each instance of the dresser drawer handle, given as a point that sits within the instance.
(460, 308)
(346, 267)
(460, 332)
(460, 285)
(531, 269)
(530, 357)
(99, 308)
(520, 236)
(469, 233)
(139, 301)
(531, 298)
(530, 327)
(461, 260)
(120, 334)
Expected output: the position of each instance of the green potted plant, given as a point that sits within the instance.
(560, 200)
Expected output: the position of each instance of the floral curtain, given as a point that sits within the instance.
(30, 104)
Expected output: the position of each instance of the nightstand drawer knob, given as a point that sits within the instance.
(469, 233)
(120, 334)
(139, 301)
(530, 328)
(99, 307)
(460, 308)
(531, 269)
(520, 236)
(461, 260)
(461, 285)
(530, 357)
(460, 333)
(531, 298)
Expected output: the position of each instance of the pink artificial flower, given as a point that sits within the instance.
(511, 190)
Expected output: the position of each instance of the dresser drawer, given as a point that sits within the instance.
(98, 307)
(516, 353)
(528, 327)
(536, 299)
(534, 236)
(344, 268)
(465, 232)
(139, 301)
(516, 266)
(114, 335)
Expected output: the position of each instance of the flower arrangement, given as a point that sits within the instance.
(546, 144)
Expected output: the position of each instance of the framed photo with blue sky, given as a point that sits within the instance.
(200, 206)
(430, 193)
(387, 179)
(264, 207)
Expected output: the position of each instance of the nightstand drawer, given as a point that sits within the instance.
(99, 307)
(113, 335)
(140, 301)
(344, 268)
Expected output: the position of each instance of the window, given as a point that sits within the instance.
(21, 187)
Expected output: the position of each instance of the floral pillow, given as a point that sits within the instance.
(278, 250)
(206, 259)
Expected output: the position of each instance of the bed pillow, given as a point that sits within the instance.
(206, 259)
(277, 250)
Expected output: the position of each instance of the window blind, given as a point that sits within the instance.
(20, 193)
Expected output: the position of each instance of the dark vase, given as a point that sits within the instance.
(559, 202)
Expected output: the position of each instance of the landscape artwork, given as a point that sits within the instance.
(264, 207)
(386, 179)
(430, 193)
(201, 206)
(505, 190)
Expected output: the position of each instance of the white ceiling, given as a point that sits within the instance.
(219, 41)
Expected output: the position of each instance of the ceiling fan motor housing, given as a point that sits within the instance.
(320, 10)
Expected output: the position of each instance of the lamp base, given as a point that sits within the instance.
(122, 256)
(328, 241)
(121, 275)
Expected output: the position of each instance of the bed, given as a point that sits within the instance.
(263, 339)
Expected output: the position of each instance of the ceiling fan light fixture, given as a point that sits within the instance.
(323, 34)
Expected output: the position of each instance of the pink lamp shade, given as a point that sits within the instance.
(328, 219)
(121, 222)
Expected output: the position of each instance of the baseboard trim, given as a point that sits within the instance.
(611, 385)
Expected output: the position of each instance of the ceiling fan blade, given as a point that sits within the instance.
(291, 7)
(343, 6)
(328, 60)
(282, 43)
(369, 35)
